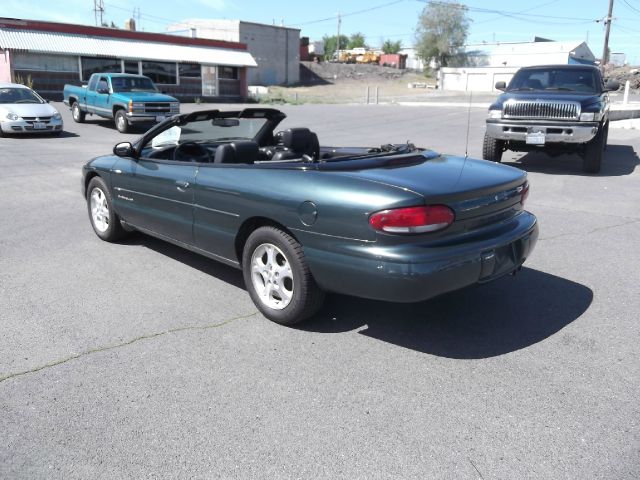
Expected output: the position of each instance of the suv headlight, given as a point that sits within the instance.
(591, 116)
(13, 116)
(495, 113)
(137, 105)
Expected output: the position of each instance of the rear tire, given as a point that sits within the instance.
(103, 218)
(122, 124)
(77, 114)
(592, 159)
(492, 148)
(278, 278)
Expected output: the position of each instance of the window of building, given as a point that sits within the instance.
(44, 62)
(229, 73)
(91, 65)
(131, 67)
(191, 70)
(160, 72)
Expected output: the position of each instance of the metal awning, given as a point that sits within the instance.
(84, 45)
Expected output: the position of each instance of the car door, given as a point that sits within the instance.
(100, 100)
(218, 205)
(156, 195)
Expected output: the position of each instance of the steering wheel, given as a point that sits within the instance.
(191, 152)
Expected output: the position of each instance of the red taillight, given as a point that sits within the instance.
(524, 193)
(422, 219)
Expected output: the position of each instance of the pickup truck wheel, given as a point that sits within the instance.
(492, 148)
(103, 218)
(77, 114)
(278, 278)
(593, 151)
(122, 124)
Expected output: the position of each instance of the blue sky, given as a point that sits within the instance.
(492, 20)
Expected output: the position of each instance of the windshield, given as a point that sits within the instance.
(563, 79)
(210, 131)
(19, 95)
(132, 84)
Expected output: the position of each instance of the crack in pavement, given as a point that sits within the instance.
(124, 344)
(594, 230)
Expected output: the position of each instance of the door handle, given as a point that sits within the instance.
(182, 184)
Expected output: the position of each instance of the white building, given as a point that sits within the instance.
(275, 49)
(503, 60)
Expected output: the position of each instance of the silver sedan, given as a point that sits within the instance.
(24, 111)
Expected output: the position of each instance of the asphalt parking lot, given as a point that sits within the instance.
(141, 360)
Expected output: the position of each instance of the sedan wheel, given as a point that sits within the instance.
(271, 276)
(278, 278)
(104, 220)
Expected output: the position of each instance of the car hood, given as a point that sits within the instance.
(440, 177)
(585, 99)
(28, 109)
(145, 97)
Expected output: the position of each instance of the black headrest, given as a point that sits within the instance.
(296, 138)
(246, 151)
(240, 151)
(225, 153)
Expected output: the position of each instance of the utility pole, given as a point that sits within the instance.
(338, 39)
(605, 52)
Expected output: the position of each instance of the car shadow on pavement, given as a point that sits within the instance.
(618, 160)
(40, 136)
(215, 269)
(478, 322)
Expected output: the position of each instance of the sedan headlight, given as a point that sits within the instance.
(57, 116)
(13, 116)
(495, 113)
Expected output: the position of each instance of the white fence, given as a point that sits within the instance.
(476, 79)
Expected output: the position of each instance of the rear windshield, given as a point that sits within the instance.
(19, 95)
(563, 79)
(132, 84)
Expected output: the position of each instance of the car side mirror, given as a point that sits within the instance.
(612, 86)
(124, 149)
(501, 86)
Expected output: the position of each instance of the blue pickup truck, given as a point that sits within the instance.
(127, 99)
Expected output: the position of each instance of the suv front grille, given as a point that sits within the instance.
(541, 109)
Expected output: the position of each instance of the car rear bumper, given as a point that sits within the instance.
(554, 132)
(415, 273)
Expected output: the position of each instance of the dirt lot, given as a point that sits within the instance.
(351, 83)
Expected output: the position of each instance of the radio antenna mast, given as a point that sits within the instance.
(98, 6)
(466, 146)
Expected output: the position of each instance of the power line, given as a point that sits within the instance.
(332, 18)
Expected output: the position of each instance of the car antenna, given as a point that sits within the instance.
(466, 146)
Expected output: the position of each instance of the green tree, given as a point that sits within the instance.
(356, 40)
(391, 47)
(442, 32)
(331, 45)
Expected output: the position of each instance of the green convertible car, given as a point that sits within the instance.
(395, 223)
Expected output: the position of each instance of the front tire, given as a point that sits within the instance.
(103, 218)
(122, 124)
(77, 114)
(492, 148)
(593, 151)
(278, 278)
